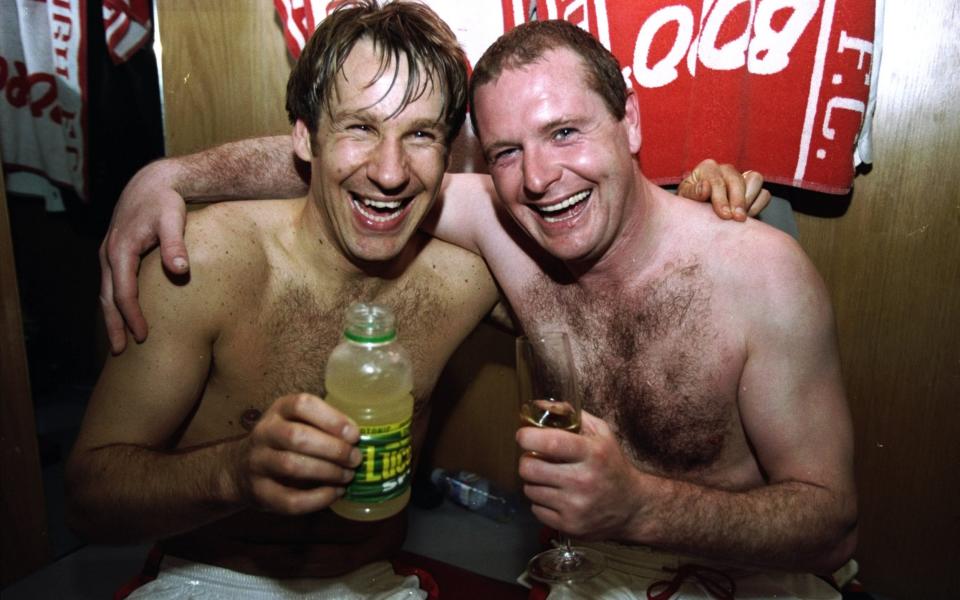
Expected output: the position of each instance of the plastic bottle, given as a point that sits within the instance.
(475, 493)
(369, 378)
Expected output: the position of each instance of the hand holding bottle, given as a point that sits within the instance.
(298, 458)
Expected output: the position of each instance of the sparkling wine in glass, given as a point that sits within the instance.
(549, 398)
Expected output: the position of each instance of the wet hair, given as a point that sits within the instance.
(398, 29)
(527, 43)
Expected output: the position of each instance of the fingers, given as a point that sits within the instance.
(593, 426)
(756, 198)
(304, 440)
(692, 187)
(301, 455)
(275, 496)
(313, 411)
(303, 425)
(292, 467)
(123, 263)
(732, 194)
(727, 190)
(116, 330)
(547, 515)
(173, 250)
(553, 445)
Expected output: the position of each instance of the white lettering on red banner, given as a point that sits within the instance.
(779, 86)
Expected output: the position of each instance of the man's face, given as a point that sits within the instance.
(375, 174)
(561, 163)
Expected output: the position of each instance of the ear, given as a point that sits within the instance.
(302, 141)
(631, 121)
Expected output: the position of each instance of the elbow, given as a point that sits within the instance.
(840, 544)
(838, 554)
(77, 504)
(85, 512)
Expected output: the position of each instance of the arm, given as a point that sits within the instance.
(151, 209)
(129, 480)
(795, 416)
(462, 215)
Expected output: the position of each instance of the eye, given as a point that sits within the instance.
(564, 133)
(425, 135)
(359, 127)
(501, 155)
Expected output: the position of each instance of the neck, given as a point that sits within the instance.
(637, 242)
(316, 242)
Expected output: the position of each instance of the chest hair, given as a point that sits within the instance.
(301, 328)
(647, 361)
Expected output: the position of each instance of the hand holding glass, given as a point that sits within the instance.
(549, 398)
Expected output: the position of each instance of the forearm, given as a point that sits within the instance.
(124, 493)
(790, 525)
(246, 169)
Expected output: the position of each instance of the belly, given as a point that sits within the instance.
(317, 545)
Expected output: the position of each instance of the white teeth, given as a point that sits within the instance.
(359, 204)
(574, 199)
(566, 203)
(382, 204)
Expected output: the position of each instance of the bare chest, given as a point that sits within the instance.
(655, 362)
(282, 348)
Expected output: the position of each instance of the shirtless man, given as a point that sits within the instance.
(716, 423)
(211, 435)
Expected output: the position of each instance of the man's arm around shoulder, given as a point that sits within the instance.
(151, 210)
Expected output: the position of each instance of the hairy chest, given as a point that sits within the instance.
(654, 361)
(281, 347)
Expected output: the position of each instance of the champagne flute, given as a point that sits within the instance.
(549, 398)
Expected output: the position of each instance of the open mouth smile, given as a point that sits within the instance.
(565, 209)
(379, 211)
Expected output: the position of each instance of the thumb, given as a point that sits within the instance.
(593, 426)
(173, 250)
(694, 188)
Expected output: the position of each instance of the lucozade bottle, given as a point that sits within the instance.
(369, 378)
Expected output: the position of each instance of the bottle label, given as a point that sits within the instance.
(384, 471)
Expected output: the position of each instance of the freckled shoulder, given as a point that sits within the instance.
(226, 245)
(459, 275)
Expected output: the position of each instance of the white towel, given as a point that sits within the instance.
(632, 569)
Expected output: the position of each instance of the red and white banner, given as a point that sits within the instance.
(476, 23)
(43, 89)
(127, 25)
(778, 86)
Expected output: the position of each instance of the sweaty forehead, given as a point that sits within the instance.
(372, 80)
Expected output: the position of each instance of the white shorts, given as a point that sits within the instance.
(180, 579)
(631, 570)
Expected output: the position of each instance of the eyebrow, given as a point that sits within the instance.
(364, 115)
(546, 128)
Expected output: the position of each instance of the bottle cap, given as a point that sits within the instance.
(369, 324)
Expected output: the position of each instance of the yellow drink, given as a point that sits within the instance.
(369, 378)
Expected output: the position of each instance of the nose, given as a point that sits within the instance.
(540, 171)
(388, 166)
